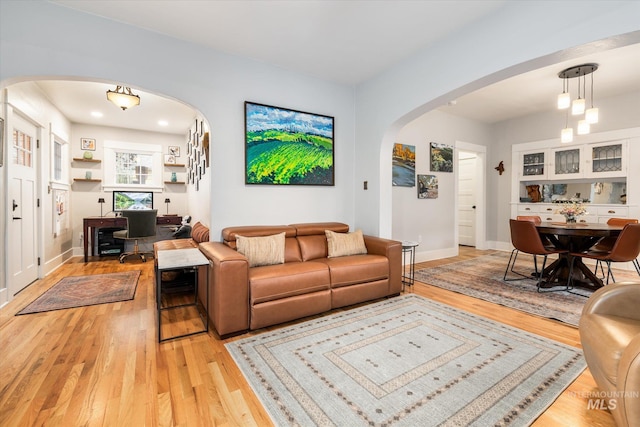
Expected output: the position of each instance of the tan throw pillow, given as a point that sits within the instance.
(263, 250)
(343, 244)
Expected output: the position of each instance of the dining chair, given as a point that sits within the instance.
(606, 244)
(625, 249)
(140, 224)
(545, 240)
(525, 238)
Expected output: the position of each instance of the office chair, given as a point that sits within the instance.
(140, 224)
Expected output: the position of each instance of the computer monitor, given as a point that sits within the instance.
(123, 200)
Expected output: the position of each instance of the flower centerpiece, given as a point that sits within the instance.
(572, 211)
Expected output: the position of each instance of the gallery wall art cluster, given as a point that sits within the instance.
(404, 168)
(197, 159)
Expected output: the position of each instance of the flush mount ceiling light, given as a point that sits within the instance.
(123, 97)
(578, 106)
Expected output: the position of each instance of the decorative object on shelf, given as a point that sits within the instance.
(285, 147)
(88, 144)
(167, 201)
(123, 97)
(101, 201)
(572, 211)
(87, 175)
(578, 106)
(174, 177)
(500, 167)
(174, 150)
(87, 155)
(427, 187)
(441, 157)
(534, 193)
(404, 165)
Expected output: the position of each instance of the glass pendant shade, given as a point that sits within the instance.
(578, 106)
(564, 101)
(566, 135)
(591, 115)
(583, 127)
(123, 97)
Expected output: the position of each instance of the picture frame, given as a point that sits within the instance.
(169, 159)
(288, 147)
(174, 150)
(404, 165)
(88, 144)
(427, 187)
(441, 157)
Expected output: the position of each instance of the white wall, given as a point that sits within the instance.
(63, 42)
(520, 37)
(432, 219)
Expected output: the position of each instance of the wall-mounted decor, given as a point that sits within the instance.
(174, 150)
(404, 165)
(88, 144)
(287, 147)
(441, 157)
(197, 158)
(427, 187)
(170, 159)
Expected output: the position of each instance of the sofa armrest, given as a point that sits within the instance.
(392, 249)
(229, 288)
(620, 299)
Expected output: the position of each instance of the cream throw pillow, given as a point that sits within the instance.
(263, 250)
(343, 244)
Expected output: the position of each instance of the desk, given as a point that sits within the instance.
(575, 238)
(91, 224)
(181, 259)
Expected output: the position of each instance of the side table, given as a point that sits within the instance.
(185, 260)
(408, 251)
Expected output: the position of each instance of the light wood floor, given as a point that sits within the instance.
(102, 365)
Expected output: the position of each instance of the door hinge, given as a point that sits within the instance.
(38, 203)
(38, 260)
(37, 143)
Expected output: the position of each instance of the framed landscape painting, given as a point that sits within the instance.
(287, 147)
(441, 157)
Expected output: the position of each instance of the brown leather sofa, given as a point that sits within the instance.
(610, 335)
(307, 283)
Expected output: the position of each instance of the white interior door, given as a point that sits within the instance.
(22, 258)
(467, 198)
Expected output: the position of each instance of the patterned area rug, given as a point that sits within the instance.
(406, 361)
(80, 291)
(482, 278)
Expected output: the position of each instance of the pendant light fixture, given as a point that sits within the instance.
(123, 97)
(578, 106)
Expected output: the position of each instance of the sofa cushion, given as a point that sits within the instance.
(273, 282)
(356, 269)
(345, 244)
(610, 335)
(313, 247)
(292, 250)
(263, 250)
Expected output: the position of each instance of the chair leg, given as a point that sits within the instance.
(636, 264)
(510, 267)
(609, 272)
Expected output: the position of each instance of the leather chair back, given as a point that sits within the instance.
(622, 221)
(140, 223)
(533, 218)
(525, 237)
(627, 246)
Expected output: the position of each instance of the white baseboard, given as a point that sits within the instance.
(55, 263)
(435, 254)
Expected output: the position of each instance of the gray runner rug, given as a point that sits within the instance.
(405, 361)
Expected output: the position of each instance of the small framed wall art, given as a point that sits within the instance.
(88, 144)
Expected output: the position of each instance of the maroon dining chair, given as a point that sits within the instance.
(606, 244)
(625, 249)
(525, 238)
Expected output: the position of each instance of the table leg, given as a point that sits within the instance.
(86, 242)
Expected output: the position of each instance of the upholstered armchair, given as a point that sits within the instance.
(610, 335)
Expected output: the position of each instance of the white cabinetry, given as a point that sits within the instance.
(567, 163)
(606, 160)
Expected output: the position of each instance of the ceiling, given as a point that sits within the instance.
(346, 41)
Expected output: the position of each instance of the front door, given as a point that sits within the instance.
(22, 260)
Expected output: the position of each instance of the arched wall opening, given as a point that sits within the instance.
(395, 129)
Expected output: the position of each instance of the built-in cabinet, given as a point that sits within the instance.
(602, 160)
(595, 171)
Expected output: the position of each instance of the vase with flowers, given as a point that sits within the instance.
(572, 211)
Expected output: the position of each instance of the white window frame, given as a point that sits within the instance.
(63, 180)
(109, 159)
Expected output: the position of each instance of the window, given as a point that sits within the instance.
(22, 148)
(130, 165)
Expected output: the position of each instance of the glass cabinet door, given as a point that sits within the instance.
(566, 163)
(608, 159)
(533, 164)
